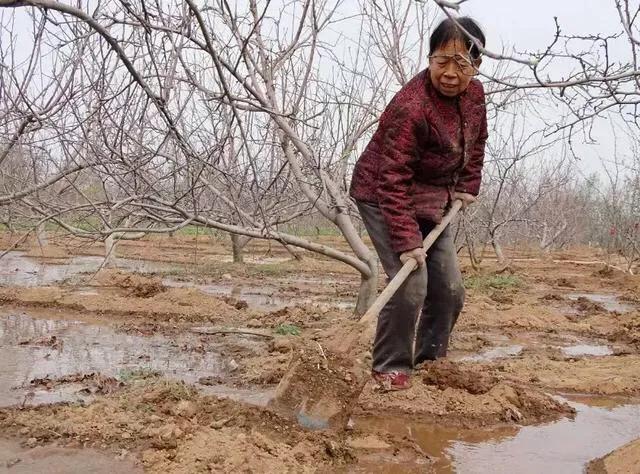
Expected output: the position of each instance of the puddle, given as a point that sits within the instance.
(586, 350)
(19, 270)
(264, 298)
(56, 460)
(328, 280)
(16, 269)
(267, 298)
(608, 302)
(500, 352)
(90, 348)
(255, 260)
(503, 347)
(564, 446)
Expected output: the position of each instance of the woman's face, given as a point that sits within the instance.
(451, 68)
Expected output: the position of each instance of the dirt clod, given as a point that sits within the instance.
(564, 282)
(552, 297)
(446, 374)
(136, 285)
(280, 344)
(587, 307)
(94, 383)
(185, 408)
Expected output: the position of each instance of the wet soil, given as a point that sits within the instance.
(620, 461)
(563, 446)
(18, 459)
(173, 429)
(462, 395)
(84, 346)
(47, 361)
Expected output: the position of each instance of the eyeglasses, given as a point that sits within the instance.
(464, 64)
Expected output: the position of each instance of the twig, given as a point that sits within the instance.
(321, 351)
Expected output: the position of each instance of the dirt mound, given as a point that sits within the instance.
(134, 284)
(175, 430)
(305, 316)
(235, 302)
(605, 272)
(587, 306)
(461, 394)
(468, 342)
(552, 297)
(501, 297)
(170, 306)
(621, 461)
(565, 283)
(627, 331)
(43, 296)
(613, 375)
(631, 297)
(93, 383)
(444, 373)
(54, 342)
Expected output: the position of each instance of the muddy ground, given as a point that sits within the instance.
(166, 363)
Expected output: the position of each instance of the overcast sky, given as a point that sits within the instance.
(529, 25)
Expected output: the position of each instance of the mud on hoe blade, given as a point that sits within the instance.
(321, 387)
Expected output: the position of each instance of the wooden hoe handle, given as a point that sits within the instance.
(409, 266)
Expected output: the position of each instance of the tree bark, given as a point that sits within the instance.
(41, 235)
(497, 248)
(238, 243)
(110, 251)
(368, 288)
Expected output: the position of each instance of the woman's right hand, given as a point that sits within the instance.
(418, 254)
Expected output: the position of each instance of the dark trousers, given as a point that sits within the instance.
(435, 293)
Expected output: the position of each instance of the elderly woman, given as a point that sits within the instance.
(427, 151)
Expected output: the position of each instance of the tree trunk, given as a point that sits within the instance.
(368, 288)
(547, 240)
(473, 258)
(497, 248)
(238, 243)
(41, 235)
(110, 251)
(9, 224)
(544, 242)
(471, 248)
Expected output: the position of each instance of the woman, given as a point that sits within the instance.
(427, 151)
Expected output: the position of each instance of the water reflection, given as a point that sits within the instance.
(90, 348)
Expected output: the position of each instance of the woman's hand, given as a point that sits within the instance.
(466, 198)
(418, 254)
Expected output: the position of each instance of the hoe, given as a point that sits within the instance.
(320, 388)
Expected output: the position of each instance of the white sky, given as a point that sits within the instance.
(528, 25)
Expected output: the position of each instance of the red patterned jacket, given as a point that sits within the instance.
(426, 147)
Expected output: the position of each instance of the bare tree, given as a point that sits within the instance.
(160, 115)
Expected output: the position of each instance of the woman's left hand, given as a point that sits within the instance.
(466, 198)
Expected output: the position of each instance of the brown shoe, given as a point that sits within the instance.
(391, 381)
